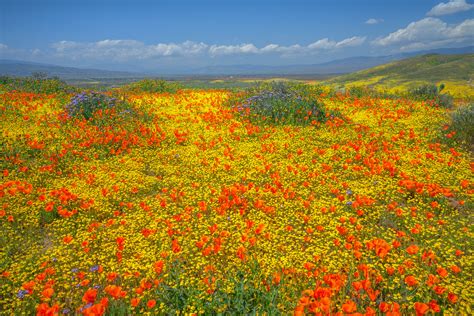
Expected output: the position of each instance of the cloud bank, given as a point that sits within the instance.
(450, 7)
(428, 33)
(131, 49)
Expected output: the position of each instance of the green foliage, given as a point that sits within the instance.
(425, 92)
(462, 123)
(37, 83)
(282, 103)
(433, 94)
(429, 68)
(245, 292)
(233, 85)
(251, 293)
(358, 92)
(85, 104)
(285, 87)
(153, 86)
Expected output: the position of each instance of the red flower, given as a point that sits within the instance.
(89, 296)
(453, 298)
(413, 249)
(151, 303)
(411, 280)
(135, 301)
(67, 239)
(349, 307)
(421, 308)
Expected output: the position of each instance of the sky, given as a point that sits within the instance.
(172, 35)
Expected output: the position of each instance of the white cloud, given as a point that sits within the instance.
(326, 44)
(120, 50)
(351, 42)
(453, 6)
(36, 52)
(429, 33)
(320, 45)
(373, 21)
(125, 49)
(283, 50)
(215, 50)
(9, 52)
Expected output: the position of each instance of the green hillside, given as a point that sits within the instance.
(455, 71)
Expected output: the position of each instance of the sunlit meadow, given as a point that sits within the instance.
(189, 202)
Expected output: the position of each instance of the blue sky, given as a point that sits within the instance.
(174, 34)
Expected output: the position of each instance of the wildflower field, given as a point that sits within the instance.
(209, 202)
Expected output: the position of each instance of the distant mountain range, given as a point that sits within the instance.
(19, 68)
(340, 66)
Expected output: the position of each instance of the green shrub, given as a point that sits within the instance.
(358, 92)
(37, 83)
(369, 92)
(431, 93)
(426, 91)
(285, 87)
(462, 123)
(282, 103)
(85, 104)
(153, 86)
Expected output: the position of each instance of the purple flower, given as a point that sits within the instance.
(86, 306)
(21, 294)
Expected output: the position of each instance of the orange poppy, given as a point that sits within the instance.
(410, 280)
(151, 303)
(89, 296)
(421, 308)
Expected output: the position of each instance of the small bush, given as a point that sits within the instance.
(153, 86)
(426, 91)
(463, 125)
(358, 92)
(282, 103)
(85, 104)
(286, 87)
(432, 93)
(37, 83)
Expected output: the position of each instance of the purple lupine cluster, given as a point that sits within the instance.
(265, 99)
(84, 104)
(282, 103)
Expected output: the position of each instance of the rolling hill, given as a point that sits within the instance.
(455, 71)
(23, 68)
